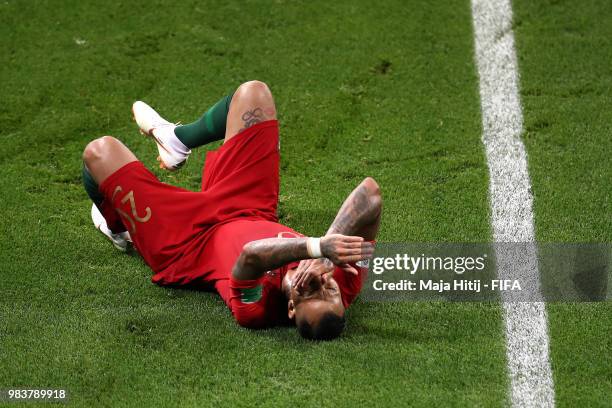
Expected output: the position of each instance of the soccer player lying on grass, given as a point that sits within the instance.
(227, 236)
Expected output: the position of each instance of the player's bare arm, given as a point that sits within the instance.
(359, 215)
(263, 255)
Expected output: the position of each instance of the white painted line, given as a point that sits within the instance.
(527, 349)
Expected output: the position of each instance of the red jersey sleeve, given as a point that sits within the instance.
(247, 302)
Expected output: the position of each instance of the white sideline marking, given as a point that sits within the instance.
(529, 371)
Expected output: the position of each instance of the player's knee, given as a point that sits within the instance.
(253, 89)
(97, 149)
(254, 86)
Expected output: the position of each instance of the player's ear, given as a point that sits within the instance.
(291, 309)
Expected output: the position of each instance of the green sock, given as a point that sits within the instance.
(208, 128)
(91, 187)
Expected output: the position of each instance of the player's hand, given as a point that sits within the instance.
(343, 250)
(308, 269)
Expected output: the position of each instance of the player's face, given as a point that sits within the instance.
(321, 295)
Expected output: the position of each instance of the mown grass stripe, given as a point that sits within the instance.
(527, 342)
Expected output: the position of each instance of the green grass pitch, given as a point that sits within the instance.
(564, 57)
(389, 91)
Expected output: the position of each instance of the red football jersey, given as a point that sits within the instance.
(190, 237)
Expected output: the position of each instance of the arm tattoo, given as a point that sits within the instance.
(356, 212)
(267, 254)
(257, 257)
(251, 118)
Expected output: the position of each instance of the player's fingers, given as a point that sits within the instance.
(303, 265)
(367, 250)
(349, 238)
(352, 258)
(362, 244)
(302, 272)
(364, 251)
(300, 280)
(350, 251)
(309, 274)
(306, 281)
(297, 281)
(299, 276)
(351, 245)
(367, 244)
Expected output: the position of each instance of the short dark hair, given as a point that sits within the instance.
(330, 326)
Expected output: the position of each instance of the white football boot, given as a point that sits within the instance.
(172, 152)
(122, 241)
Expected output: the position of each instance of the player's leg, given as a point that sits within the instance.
(175, 142)
(252, 103)
(246, 171)
(210, 127)
(101, 158)
(162, 220)
(360, 213)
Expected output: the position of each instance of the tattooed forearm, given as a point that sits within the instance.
(251, 118)
(264, 255)
(359, 215)
(360, 212)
